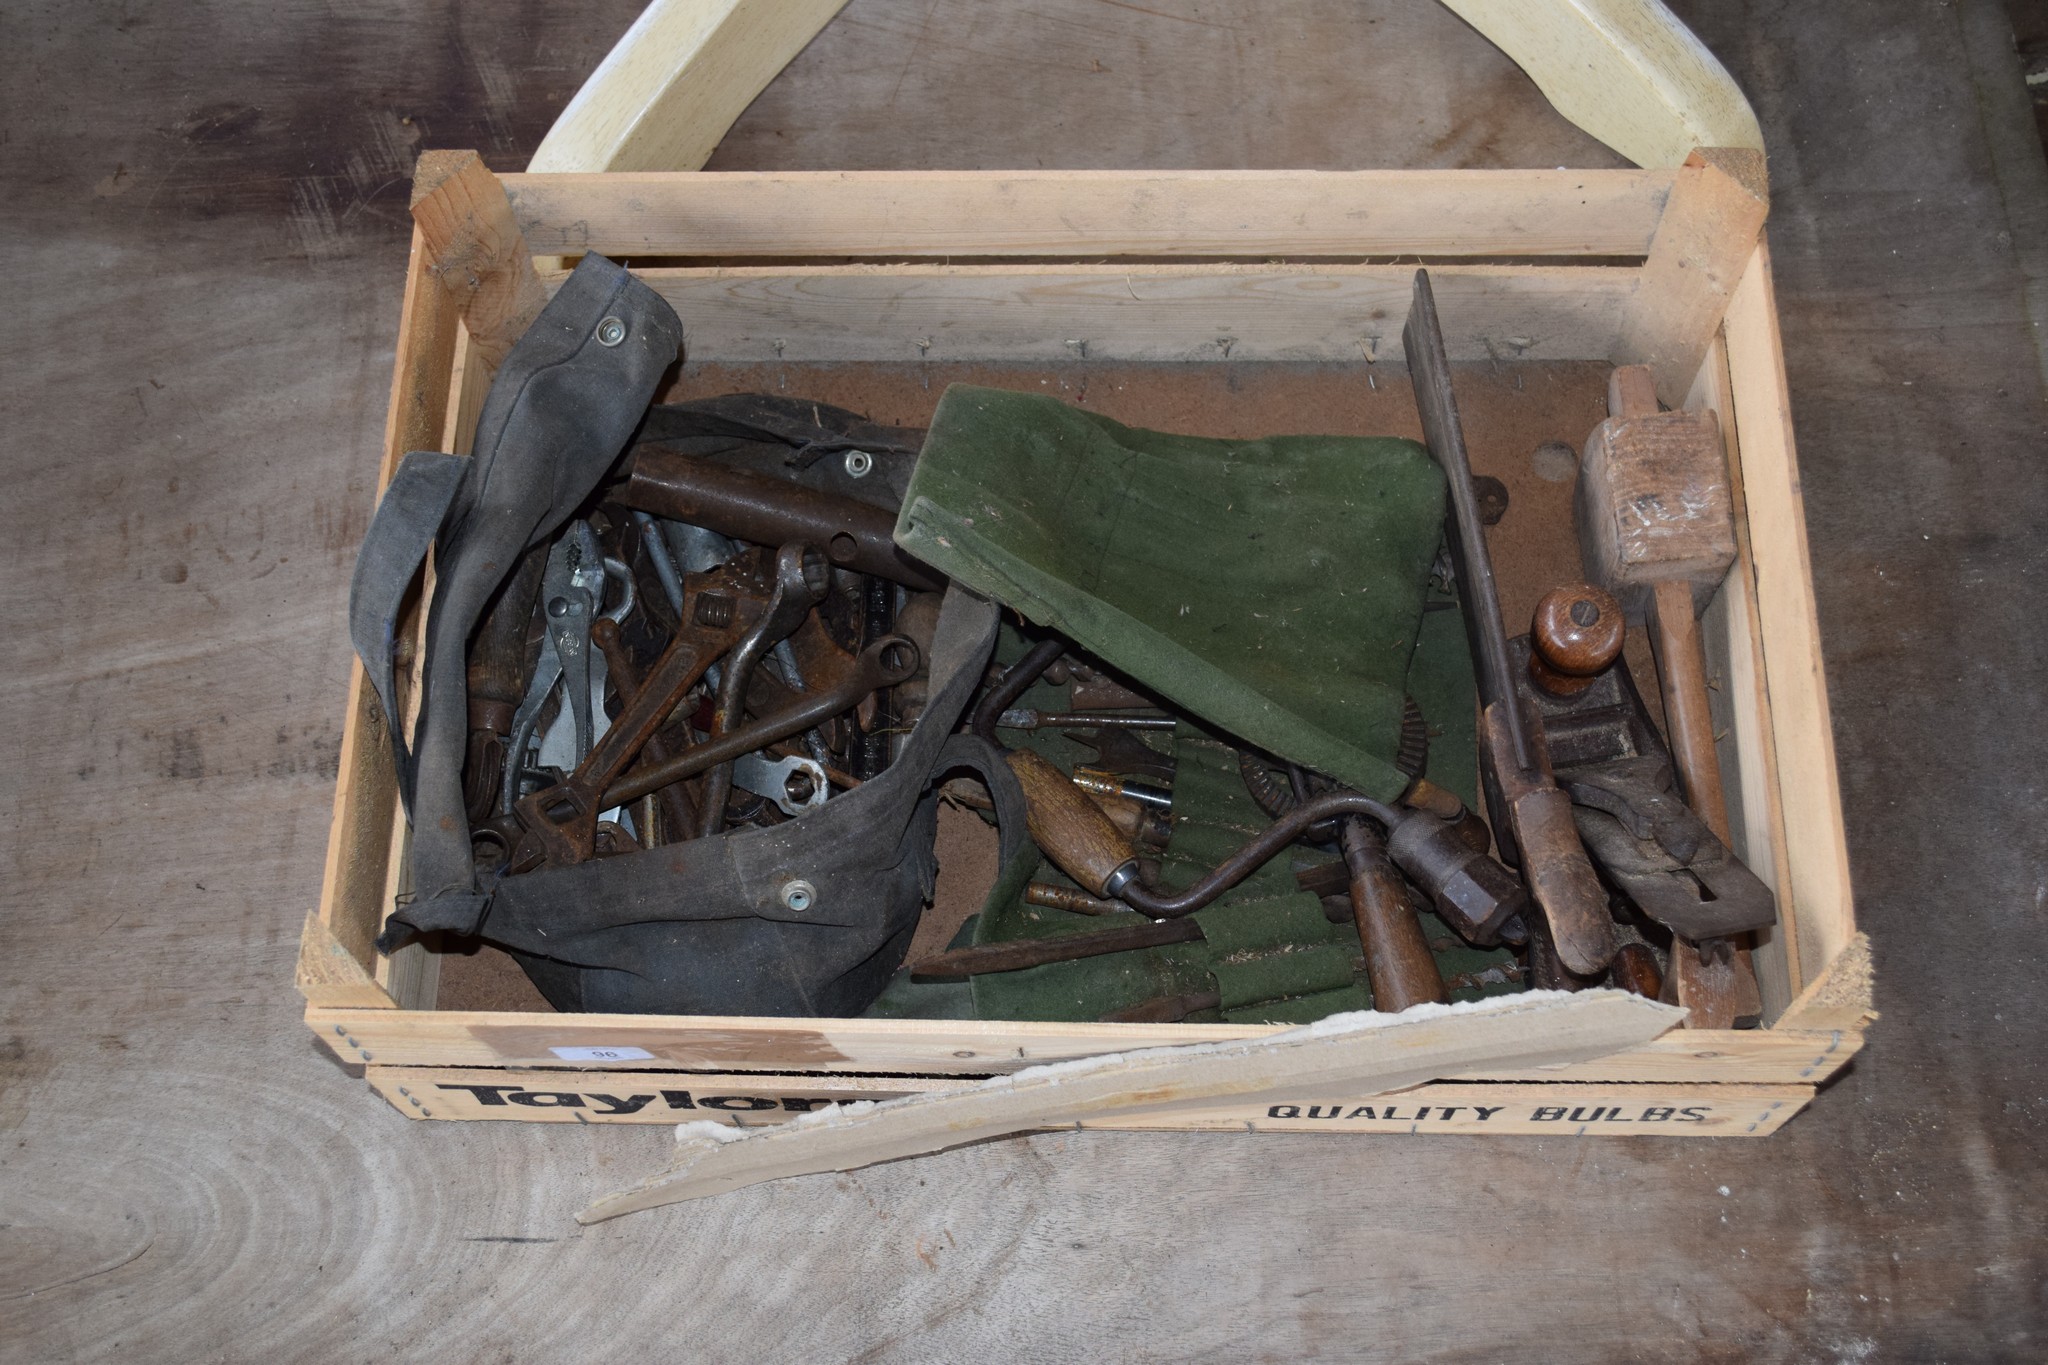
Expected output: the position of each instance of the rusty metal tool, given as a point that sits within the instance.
(1656, 523)
(884, 663)
(561, 821)
(802, 577)
(1037, 952)
(1534, 811)
(770, 511)
(1067, 898)
(1024, 718)
(871, 732)
(679, 812)
(1472, 893)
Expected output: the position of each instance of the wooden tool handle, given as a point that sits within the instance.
(1134, 820)
(1576, 635)
(1398, 963)
(1682, 674)
(1716, 985)
(1631, 391)
(1635, 970)
(1071, 829)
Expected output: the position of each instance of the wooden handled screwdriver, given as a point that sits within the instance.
(1656, 528)
(1072, 830)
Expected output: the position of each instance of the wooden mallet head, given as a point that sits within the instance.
(1653, 498)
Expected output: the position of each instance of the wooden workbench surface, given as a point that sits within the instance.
(205, 239)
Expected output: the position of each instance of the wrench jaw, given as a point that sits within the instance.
(803, 575)
(560, 821)
(795, 785)
(733, 616)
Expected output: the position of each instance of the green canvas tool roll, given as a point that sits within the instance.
(1268, 952)
(1271, 587)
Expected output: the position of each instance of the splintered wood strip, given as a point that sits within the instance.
(1357, 1054)
(1038, 313)
(1247, 214)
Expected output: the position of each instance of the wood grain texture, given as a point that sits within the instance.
(1140, 312)
(1360, 1054)
(1073, 830)
(1095, 214)
(1443, 1108)
(664, 96)
(1716, 209)
(184, 1177)
(480, 1038)
(1626, 71)
(476, 251)
(1742, 731)
(1817, 863)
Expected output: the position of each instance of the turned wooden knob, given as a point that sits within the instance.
(1575, 637)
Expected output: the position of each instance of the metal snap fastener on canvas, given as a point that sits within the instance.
(859, 464)
(611, 332)
(799, 895)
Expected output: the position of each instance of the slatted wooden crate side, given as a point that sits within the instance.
(745, 1100)
(599, 1042)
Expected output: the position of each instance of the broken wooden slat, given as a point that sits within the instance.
(1357, 1054)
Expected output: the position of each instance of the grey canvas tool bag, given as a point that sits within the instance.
(705, 926)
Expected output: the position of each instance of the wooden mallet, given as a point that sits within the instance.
(1657, 529)
(1656, 524)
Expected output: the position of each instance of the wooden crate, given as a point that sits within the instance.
(1663, 266)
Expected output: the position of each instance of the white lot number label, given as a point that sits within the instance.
(603, 1054)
